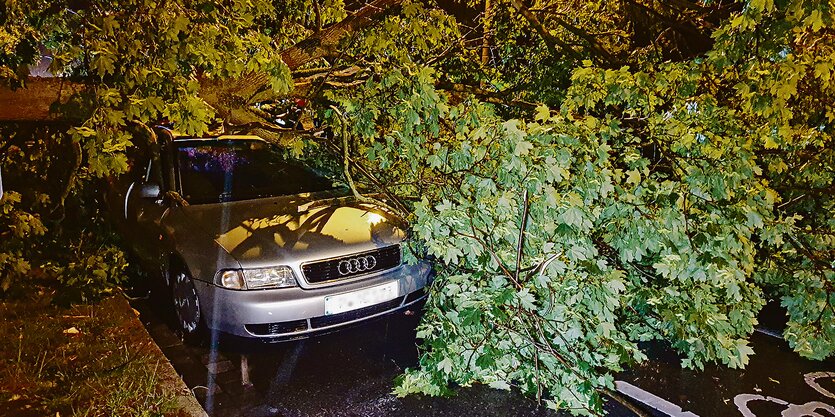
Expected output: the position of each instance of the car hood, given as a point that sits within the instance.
(296, 229)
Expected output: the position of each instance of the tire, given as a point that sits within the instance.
(187, 312)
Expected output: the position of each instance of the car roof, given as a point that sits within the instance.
(176, 136)
(219, 138)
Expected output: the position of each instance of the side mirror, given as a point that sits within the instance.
(150, 190)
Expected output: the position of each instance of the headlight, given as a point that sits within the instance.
(275, 277)
(251, 279)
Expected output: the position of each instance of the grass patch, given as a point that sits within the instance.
(85, 360)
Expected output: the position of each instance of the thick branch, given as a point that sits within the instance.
(487, 38)
(327, 40)
(595, 46)
(229, 98)
(494, 97)
(334, 78)
(550, 40)
(324, 43)
(34, 102)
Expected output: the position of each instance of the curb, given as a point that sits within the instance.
(185, 401)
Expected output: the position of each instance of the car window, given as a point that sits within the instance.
(218, 171)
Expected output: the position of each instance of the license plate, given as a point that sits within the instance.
(354, 300)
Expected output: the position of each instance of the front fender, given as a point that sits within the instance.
(202, 256)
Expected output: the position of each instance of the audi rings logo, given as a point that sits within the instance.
(356, 265)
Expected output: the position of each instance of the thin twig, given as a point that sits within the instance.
(521, 241)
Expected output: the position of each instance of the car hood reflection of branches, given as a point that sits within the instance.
(272, 231)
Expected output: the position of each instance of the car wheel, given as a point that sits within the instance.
(187, 310)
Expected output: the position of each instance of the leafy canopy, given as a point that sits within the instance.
(588, 175)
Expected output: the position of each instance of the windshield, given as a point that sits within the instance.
(232, 170)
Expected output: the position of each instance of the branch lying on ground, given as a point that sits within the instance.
(620, 398)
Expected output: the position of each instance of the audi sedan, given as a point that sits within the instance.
(252, 243)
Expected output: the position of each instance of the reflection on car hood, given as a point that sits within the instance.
(281, 230)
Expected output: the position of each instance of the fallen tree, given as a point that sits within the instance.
(588, 175)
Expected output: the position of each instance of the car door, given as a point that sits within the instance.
(144, 211)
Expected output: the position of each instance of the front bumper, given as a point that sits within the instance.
(289, 313)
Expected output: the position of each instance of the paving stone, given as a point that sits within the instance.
(195, 375)
(232, 377)
(220, 367)
(178, 356)
(164, 337)
(212, 356)
(219, 402)
(233, 387)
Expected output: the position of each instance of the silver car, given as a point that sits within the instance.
(255, 244)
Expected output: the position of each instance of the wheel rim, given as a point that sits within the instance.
(186, 304)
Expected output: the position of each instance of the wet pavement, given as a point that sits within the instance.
(347, 373)
(352, 372)
(775, 382)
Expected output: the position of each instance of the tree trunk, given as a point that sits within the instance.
(35, 100)
(487, 30)
(229, 98)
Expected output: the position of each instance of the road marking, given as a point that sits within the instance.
(809, 409)
(651, 400)
(741, 402)
(811, 380)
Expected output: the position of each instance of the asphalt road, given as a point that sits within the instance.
(350, 373)
(347, 373)
(777, 382)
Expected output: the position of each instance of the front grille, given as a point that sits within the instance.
(277, 328)
(324, 321)
(352, 265)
